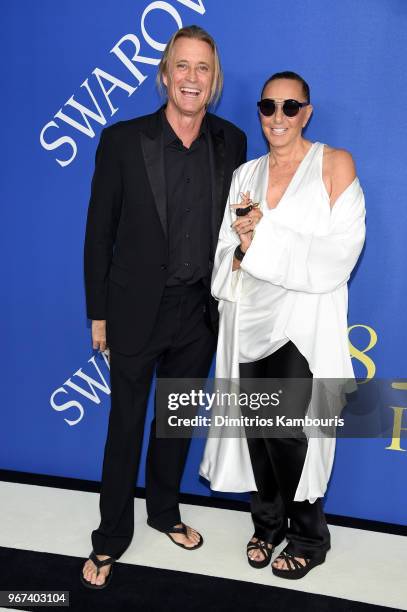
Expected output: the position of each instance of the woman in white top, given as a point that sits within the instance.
(282, 292)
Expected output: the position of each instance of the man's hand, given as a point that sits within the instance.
(99, 335)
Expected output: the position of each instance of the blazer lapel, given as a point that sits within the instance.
(153, 152)
(217, 169)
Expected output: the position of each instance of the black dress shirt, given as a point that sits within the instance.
(189, 202)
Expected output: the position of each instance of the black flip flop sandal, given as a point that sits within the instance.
(99, 564)
(183, 530)
(263, 547)
(295, 569)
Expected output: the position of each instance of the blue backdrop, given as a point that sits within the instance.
(57, 56)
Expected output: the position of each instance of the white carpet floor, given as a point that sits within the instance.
(362, 565)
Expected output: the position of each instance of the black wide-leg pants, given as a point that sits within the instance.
(277, 464)
(182, 345)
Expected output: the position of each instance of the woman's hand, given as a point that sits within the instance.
(245, 224)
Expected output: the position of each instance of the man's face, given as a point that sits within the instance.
(279, 129)
(189, 76)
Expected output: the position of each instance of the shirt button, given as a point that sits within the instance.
(163, 267)
(187, 210)
(187, 235)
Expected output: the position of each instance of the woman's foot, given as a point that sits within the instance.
(288, 566)
(282, 563)
(259, 553)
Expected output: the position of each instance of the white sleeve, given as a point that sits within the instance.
(307, 262)
(225, 283)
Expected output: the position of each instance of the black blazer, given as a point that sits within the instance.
(126, 247)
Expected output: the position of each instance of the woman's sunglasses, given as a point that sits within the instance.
(291, 108)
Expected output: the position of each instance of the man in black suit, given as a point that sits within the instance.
(158, 196)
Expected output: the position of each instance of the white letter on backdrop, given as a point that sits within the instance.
(50, 146)
(164, 6)
(85, 112)
(99, 74)
(194, 6)
(128, 61)
(62, 407)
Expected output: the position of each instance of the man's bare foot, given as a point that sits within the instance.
(91, 574)
(189, 540)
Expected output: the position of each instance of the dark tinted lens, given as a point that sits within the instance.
(267, 107)
(291, 108)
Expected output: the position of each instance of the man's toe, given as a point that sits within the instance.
(87, 571)
(103, 574)
(193, 538)
(93, 575)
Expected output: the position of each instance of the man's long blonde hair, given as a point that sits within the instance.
(196, 33)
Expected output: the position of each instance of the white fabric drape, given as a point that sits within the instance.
(292, 285)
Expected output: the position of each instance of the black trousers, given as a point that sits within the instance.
(277, 465)
(182, 346)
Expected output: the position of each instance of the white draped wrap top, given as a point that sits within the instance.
(291, 285)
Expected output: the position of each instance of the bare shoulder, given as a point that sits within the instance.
(339, 171)
(339, 162)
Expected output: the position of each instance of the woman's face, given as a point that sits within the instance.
(279, 129)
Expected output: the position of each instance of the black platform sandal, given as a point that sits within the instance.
(183, 530)
(295, 569)
(263, 547)
(99, 564)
